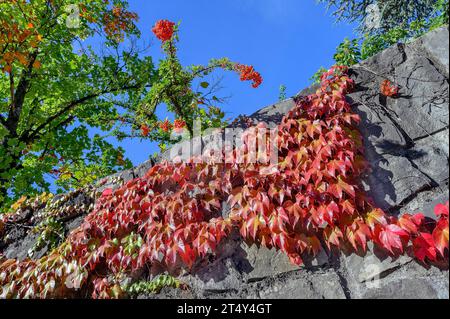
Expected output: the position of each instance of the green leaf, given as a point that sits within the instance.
(204, 85)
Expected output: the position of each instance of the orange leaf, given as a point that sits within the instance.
(333, 236)
(440, 236)
(388, 89)
(406, 222)
(37, 65)
(375, 217)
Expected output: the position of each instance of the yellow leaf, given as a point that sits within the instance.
(19, 203)
(65, 176)
(376, 216)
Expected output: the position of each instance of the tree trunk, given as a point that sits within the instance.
(4, 182)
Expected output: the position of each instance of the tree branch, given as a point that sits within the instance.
(3, 121)
(30, 136)
(18, 97)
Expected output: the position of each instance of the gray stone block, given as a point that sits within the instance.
(306, 286)
(266, 262)
(436, 43)
(412, 281)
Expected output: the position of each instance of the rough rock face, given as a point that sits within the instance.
(406, 141)
(406, 138)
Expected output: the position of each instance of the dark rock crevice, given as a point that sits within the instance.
(431, 134)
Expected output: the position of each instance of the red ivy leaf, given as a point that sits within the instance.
(440, 236)
(296, 259)
(252, 226)
(410, 223)
(423, 247)
(107, 192)
(441, 210)
(391, 236)
(388, 89)
(281, 241)
(376, 217)
(358, 235)
(333, 236)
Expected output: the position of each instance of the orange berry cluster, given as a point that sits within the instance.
(248, 73)
(164, 30)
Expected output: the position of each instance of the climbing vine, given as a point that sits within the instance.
(389, 89)
(56, 89)
(176, 89)
(51, 233)
(174, 216)
(154, 286)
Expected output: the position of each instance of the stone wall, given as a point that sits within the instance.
(406, 141)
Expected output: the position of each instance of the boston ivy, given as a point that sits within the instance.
(172, 217)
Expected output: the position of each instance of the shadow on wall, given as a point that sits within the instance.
(381, 152)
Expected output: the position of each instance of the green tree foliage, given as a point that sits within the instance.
(54, 88)
(348, 53)
(393, 13)
(316, 78)
(72, 68)
(282, 93)
(372, 44)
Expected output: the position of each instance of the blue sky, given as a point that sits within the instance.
(286, 41)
